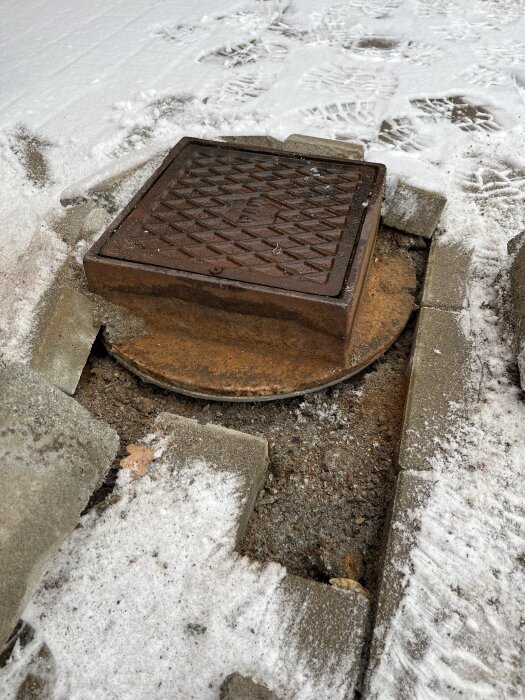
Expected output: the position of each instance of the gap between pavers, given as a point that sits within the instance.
(517, 288)
(53, 455)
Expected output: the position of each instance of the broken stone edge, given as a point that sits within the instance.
(53, 455)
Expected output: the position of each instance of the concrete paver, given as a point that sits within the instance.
(53, 455)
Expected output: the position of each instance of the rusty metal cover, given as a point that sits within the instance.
(286, 221)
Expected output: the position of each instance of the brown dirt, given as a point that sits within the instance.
(332, 454)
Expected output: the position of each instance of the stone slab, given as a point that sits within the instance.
(256, 140)
(244, 455)
(439, 391)
(63, 342)
(237, 687)
(81, 222)
(412, 491)
(312, 145)
(53, 455)
(331, 625)
(446, 277)
(328, 623)
(414, 209)
(517, 287)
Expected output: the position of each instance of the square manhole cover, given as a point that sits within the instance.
(247, 267)
(267, 218)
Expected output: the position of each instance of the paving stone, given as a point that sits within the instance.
(53, 455)
(446, 277)
(312, 145)
(258, 141)
(331, 625)
(62, 344)
(439, 391)
(414, 209)
(412, 491)
(328, 623)
(244, 455)
(81, 222)
(237, 687)
(517, 286)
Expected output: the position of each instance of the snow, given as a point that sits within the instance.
(107, 83)
(149, 599)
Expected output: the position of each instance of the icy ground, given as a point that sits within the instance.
(436, 88)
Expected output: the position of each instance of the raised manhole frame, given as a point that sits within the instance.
(223, 339)
(328, 316)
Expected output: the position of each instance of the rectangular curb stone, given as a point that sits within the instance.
(328, 623)
(412, 491)
(62, 346)
(244, 455)
(414, 209)
(331, 626)
(439, 386)
(53, 455)
(314, 146)
(446, 278)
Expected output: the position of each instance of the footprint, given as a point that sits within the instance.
(483, 76)
(240, 54)
(378, 9)
(461, 29)
(182, 34)
(499, 180)
(345, 119)
(356, 81)
(458, 111)
(500, 12)
(400, 133)
(497, 189)
(259, 17)
(505, 53)
(429, 8)
(30, 151)
(392, 48)
(242, 88)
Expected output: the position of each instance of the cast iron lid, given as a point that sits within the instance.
(267, 217)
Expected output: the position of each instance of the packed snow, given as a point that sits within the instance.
(436, 89)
